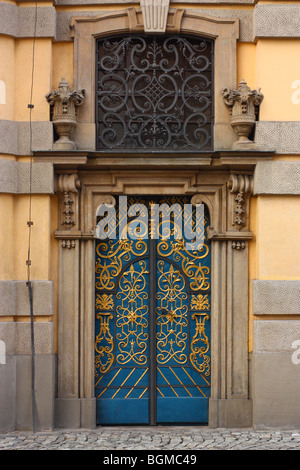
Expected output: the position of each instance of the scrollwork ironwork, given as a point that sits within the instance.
(172, 315)
(152, 289)
(132, 316)
(154, 93)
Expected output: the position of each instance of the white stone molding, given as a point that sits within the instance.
(155, 14)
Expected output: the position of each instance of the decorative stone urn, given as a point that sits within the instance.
(244, 107)
(65, 102)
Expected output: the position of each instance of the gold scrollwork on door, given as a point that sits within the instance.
(200, 302)
(111, 257)
(104, 344)
(175, 248)
(200, 342)
(132, 311)
(189, 262)
(172, 309)
(104, 302)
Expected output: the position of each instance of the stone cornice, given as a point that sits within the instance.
(220, 160)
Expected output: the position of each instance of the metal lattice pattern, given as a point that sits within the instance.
(154, 93)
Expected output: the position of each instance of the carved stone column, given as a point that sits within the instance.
(230, 403)
(76, 405)
(67, 409)
(239, 404)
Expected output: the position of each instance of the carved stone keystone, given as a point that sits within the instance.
(155, 13)
(64, 102)
(244, 106)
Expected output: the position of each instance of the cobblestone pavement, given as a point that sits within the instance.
(157, 438)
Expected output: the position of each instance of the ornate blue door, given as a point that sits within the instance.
(152, 335)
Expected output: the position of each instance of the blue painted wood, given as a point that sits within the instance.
(122, 411)
(181, 410)
(122, 331)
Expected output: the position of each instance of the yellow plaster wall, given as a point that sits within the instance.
(54, 266)
(278, 237)
(7, 75)
(62, 63)
(246, 63)
(278, 75)
(6, 237)
(40, 237)
(274, 252)
(42, 78)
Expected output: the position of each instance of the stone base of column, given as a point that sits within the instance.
(230, 413)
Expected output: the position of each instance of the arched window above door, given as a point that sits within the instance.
(154, 93)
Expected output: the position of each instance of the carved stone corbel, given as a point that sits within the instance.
(67, 185)
(241, 187)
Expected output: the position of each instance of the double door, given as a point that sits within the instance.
(152, 322)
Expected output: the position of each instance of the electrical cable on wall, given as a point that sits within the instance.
(29, 224)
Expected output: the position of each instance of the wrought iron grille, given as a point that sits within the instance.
(154, 93)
